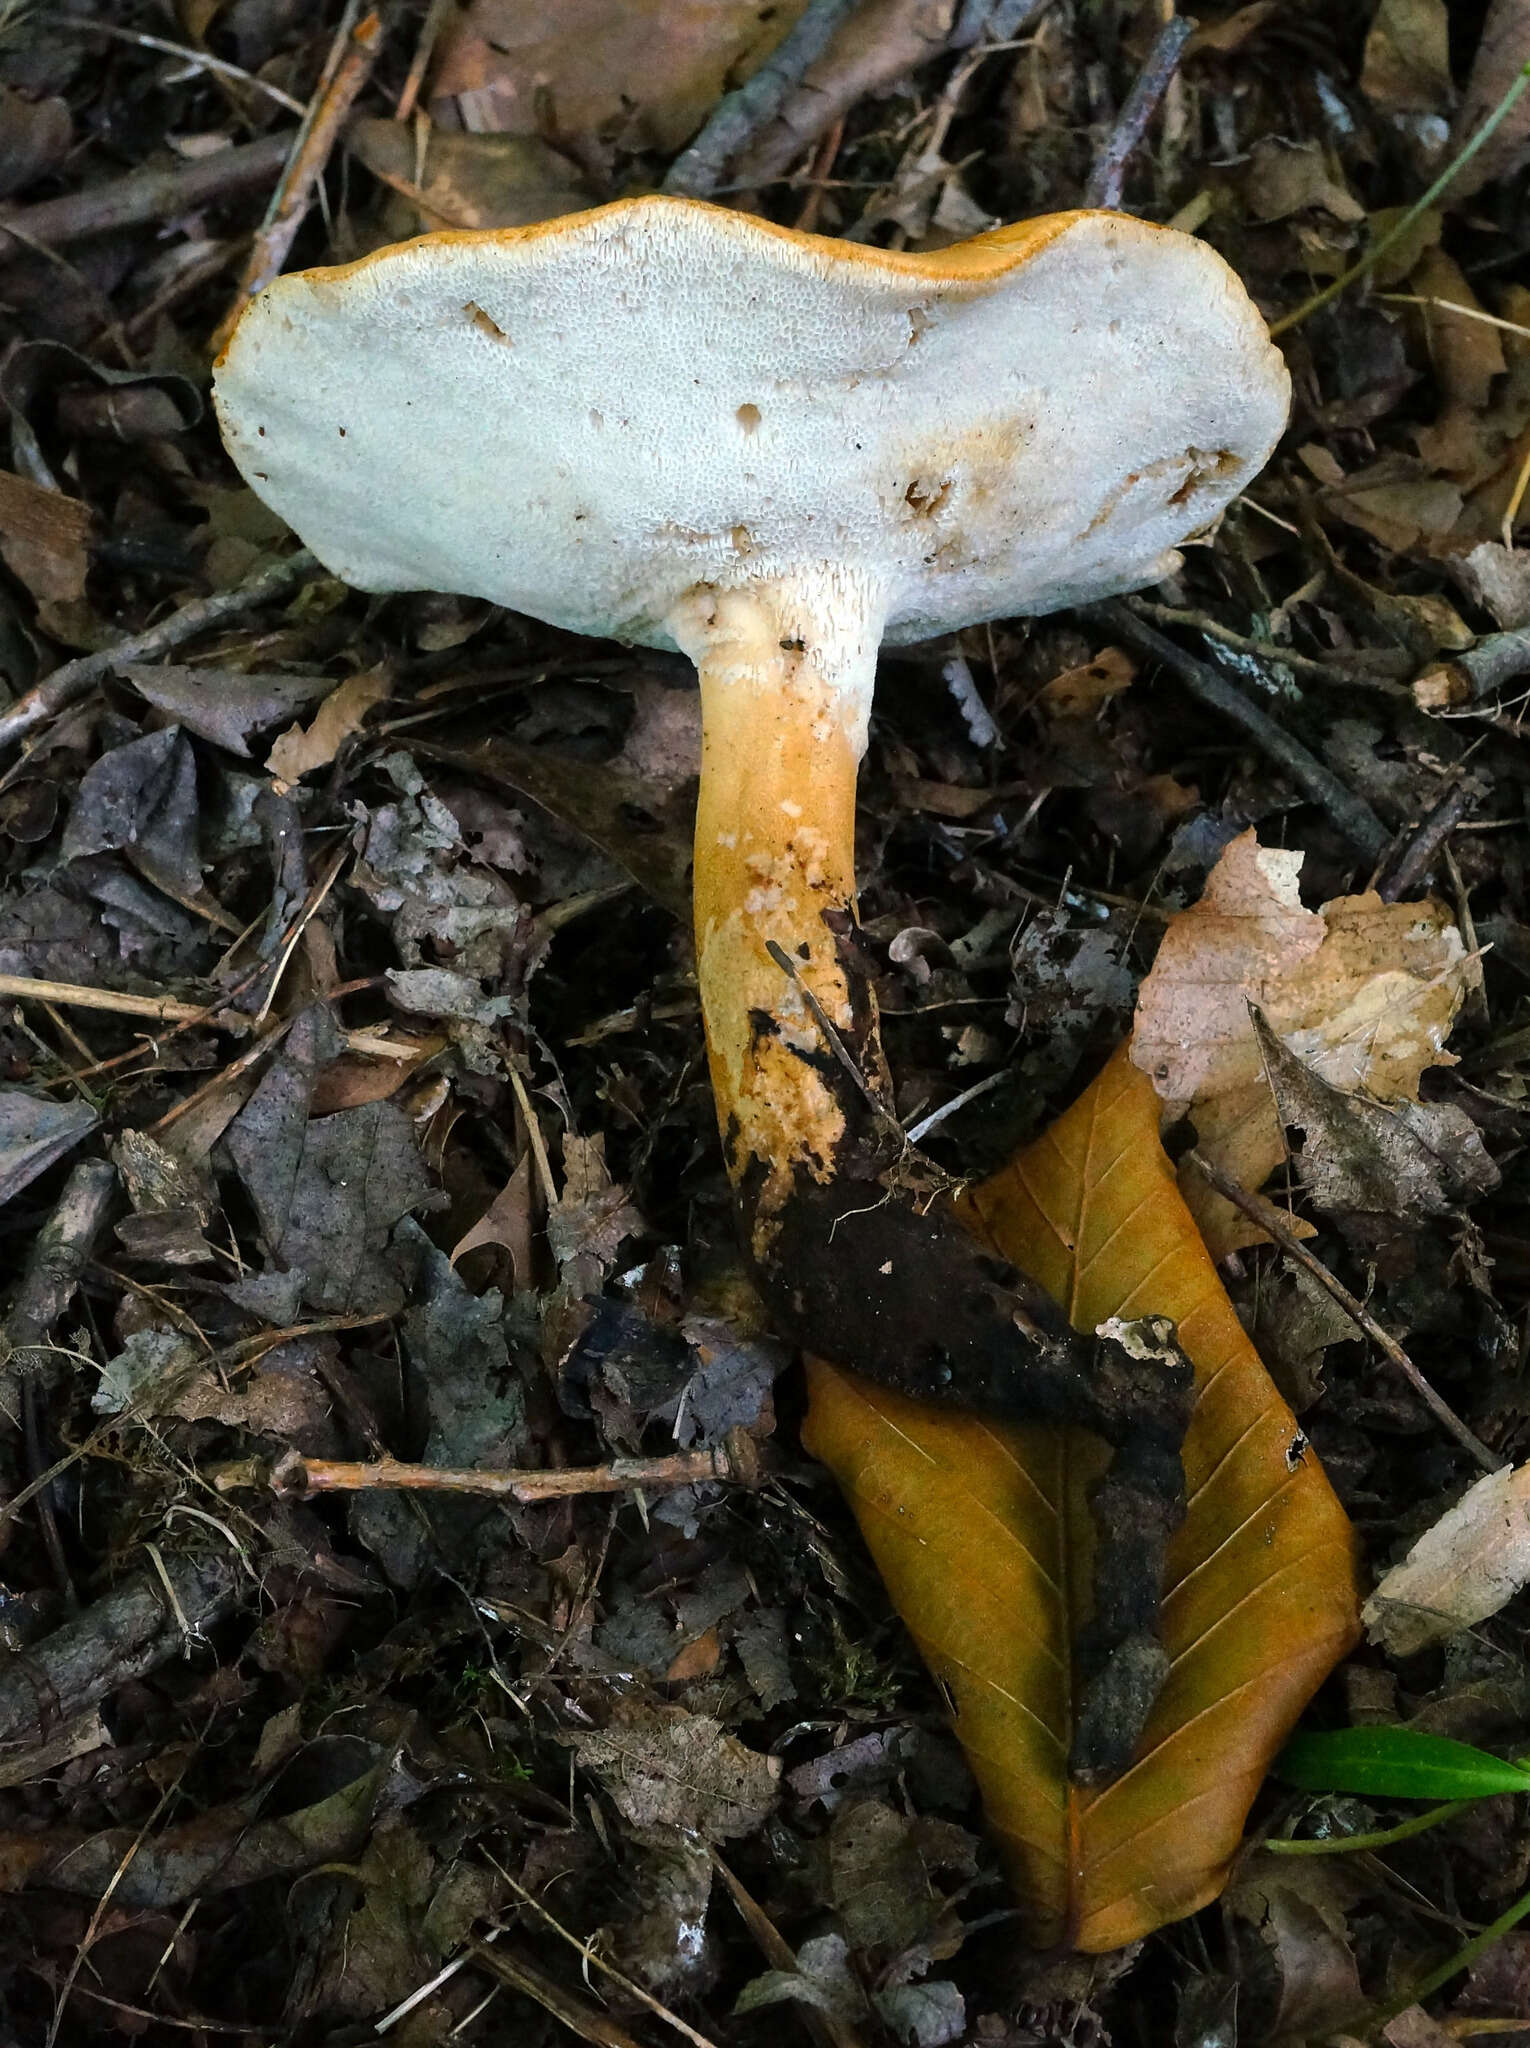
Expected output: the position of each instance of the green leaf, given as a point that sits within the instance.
(1396, 1763)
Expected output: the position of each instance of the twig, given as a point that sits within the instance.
(589, 1955)
(1411, 863)
(62, 1250)
(1407, 221)
(1479, 673)
(1109, 173)
(577, 2014)
(435, 21)
(421, 1992)
(201, 60)
(328, 113)
(827, 2027)
(167, 1010)
(141, 196)
(122, 1636)
(1269, 1219)
(836, 1044)
(75, 678)
(298, 1478)
(1262, 650)
(992, 20)
(1350, 813)
(739, 116)
(81, 996)
(926, 1124)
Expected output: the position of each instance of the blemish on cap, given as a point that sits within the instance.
(484, 324)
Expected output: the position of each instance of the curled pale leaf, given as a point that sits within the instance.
(983, 1538)
(1473, 1560)
(1364, 992)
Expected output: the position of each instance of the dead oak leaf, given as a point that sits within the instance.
(298, 752)
(1363, 992)
(643, 72)
(1463, 1569)
(1409, 1162)
(665, 1768)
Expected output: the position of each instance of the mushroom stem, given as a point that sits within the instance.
(857, 1260)
(786, 666)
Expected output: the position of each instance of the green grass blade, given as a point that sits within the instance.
(1396, 1763)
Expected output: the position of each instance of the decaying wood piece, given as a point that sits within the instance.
(130, 1631)
(59, 1256)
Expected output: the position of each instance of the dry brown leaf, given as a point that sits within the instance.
(665, 1769)
(1364, 992)
(1079, 692)
(881, 42)
(1287, 177)
(467, 181)
(1501, 56)
(1468, 1565)
(1406, 68)
(43, 538)
(507, 1223)
(1467, 356)
(983, 1538)
(1498, 579)
(299, 751)
(646, 71)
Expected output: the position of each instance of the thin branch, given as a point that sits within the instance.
(299, 1478)
(1270, 1220)
(141, 196)
(1109, 174)
(318, 136)
(201, 60)
(739, 116)
(1350, 813)
(54, 693)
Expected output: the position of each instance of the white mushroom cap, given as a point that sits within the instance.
(587, 419)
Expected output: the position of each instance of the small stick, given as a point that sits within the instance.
(836, 1044)
(577, 2014)
(1350, 813)
(166, 1010)
(80, 996)
(1109, 174)
(142, 196)
(424, 50)
(1269, 1219)
(75, 678)
(589, 1954)
(62, 1250)
(828, 2028)
(739, 116)
(1479, 673)
(1262, 650)
(298, 1478)
(331, 107)
(1413, 861)
(199, 58)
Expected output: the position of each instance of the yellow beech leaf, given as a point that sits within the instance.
(982, 1536)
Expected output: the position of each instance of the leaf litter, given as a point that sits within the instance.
(364, 1117)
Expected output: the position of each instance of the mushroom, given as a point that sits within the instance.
(668, 423)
